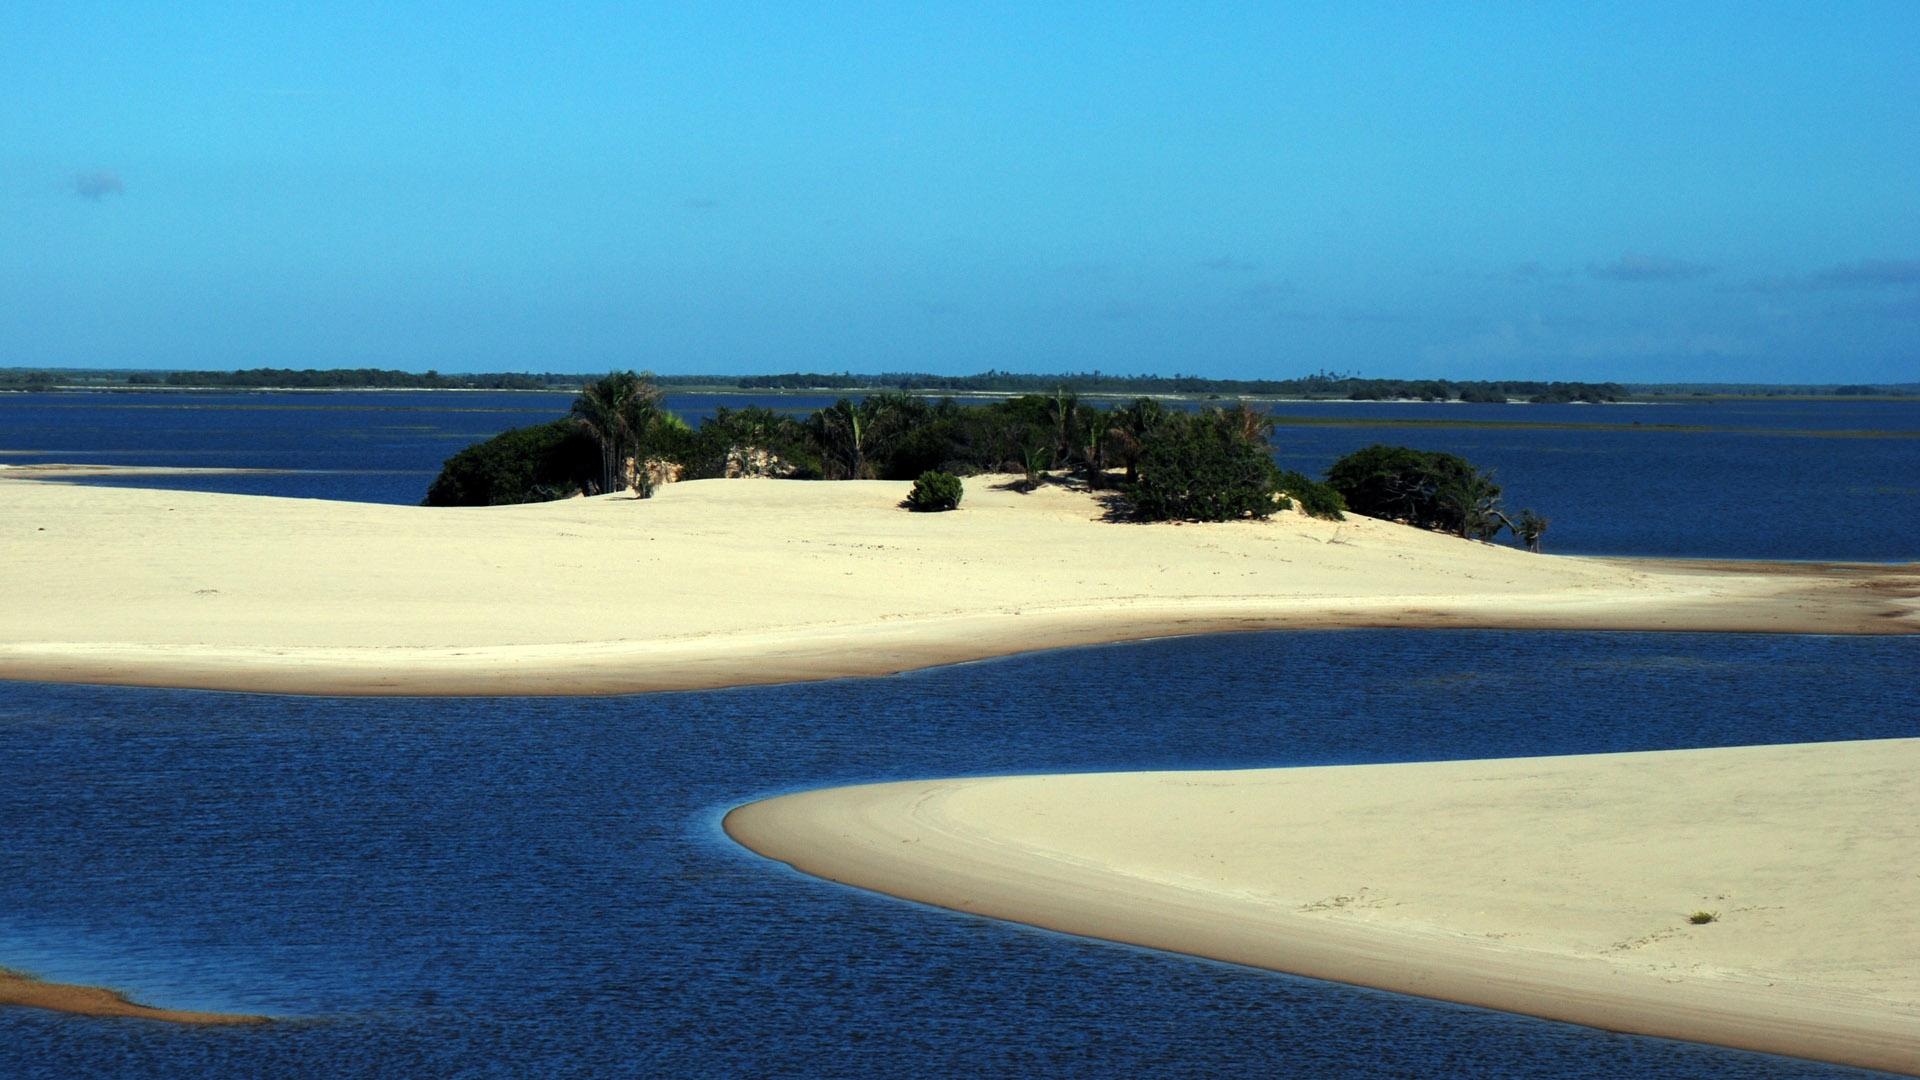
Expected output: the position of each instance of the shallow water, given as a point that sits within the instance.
(540, 886)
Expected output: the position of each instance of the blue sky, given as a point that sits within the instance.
(1644, 192)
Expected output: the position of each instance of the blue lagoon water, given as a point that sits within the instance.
(1735, 479)
(540, 886)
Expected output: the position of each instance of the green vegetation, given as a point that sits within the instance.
(615, 427)
(749, 442)
(1420, 487)
(1314, 499)
(621, 414)
(1171, 464)
(1320, 386)
(529, 464)
(1528, 528)
(935, 491)
(1430, 489)
(352, 378)
(1701, 918)
(1202, 468)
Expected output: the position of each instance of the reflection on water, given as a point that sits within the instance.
(539, 886)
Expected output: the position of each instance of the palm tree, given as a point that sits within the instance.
(1249, 423)
(1034, 458)
(1129, 429)
(1063, 408)
(839, 433)
(617, 412)
(1093, 452)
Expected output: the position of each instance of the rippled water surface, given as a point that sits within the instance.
(539, 886)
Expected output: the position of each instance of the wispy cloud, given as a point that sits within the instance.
(1648, 268)
(1529, 272)
(1868, 273)
(1263, 295)
(1902, 309)
(97, 185)
(1864, 274)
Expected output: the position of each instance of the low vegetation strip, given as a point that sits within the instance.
(1159, 464)
(1322, 385)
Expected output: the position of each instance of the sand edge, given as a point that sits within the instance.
(717, 583)
(894, 839)
(24, 990)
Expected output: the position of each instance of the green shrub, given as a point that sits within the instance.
(1701, 918)
(935, 491)
(528, 464)
(1314, 498)
(1204, 467)
(1423, 487)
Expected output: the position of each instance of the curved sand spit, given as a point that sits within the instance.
(17, 989)
(717, 583)
(1559, 887)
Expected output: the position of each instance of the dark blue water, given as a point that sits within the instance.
(1748, 479)
(539, 887)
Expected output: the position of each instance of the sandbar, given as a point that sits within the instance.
(1559, 887)
(23, 990)
(730, 582)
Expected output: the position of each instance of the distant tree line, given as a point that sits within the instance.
(352, 379)
(1213, 464)
(1153, 462)
(1322, 385)
(24, 379)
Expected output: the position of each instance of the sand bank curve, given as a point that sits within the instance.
(21, 990)
(1557, 887)
(719, 583)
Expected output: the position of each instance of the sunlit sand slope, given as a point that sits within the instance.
(715, 583)
(1559, 887)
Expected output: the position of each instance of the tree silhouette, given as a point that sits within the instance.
(618, 412)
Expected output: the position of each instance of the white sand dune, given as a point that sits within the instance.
(716, 583)
(1559, 887)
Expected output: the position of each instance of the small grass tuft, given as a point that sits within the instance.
(1702, 918)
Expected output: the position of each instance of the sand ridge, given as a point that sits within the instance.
(726, 582)
(21, 990)
(1560, 887)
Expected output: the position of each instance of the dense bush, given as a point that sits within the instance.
(1314, 498)
(1208, 466)
(1204, 467)
(1422, 487)
(935, 491)
(529, 464)
(753, 441)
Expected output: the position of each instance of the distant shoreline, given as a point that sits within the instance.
(706, 389)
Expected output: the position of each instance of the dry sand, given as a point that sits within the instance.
(1559, 887)
(17, 989)
(716, 583)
